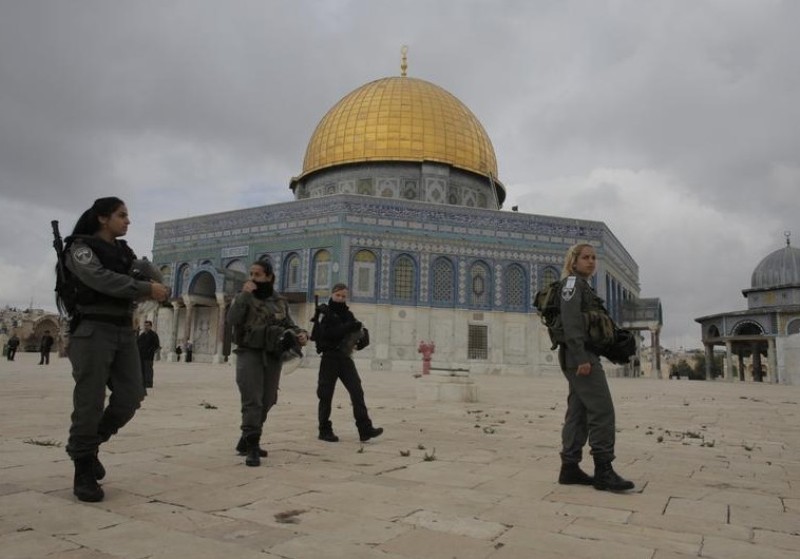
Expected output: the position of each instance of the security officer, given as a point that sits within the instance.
(340, 333)
(262, 330)
(590, 410)
(102, 343)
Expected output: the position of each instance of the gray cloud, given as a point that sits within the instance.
(675, 123)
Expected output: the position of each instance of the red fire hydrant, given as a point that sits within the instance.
(426, 349)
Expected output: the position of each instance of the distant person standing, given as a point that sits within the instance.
(45, 347)
(13, 344)
(148, 343)
(102, 341)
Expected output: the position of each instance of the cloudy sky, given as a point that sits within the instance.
(677, 123)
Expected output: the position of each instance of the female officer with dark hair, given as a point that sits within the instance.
(590, 410)
(102, 342)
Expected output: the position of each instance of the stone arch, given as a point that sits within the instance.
(237, 265)
(793, 327)
(712, 332)
(747, 328)
(203, 284)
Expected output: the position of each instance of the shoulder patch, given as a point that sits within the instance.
(568, 291)
(83, 255)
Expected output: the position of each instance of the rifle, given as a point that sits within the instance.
(61, 275)
(318, 310)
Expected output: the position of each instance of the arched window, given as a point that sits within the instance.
(322, 271)
(364, 272)
(515, 287)
(403, 278)
(480, 285)
(237, 266)
(206, 263)
(291, 279)
(793, 327)
(183, 279)
(443, 287)
(712, 332)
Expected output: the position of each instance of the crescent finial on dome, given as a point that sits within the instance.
(403, 62)
(787, 234)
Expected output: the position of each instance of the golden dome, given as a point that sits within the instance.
(400, 119)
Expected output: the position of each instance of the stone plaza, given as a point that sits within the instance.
(716, 466)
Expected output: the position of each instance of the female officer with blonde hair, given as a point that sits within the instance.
(590, 410)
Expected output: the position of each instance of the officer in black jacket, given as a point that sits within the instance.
(102, 343)
(590, 410)
(338, 334)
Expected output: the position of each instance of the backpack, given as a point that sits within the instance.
(547, 302)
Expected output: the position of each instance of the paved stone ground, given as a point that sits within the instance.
(717, 468)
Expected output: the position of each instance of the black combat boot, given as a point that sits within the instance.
(253, 450)
(571, 474)
(606, 479)
(368, 433)
(241, 448)
(328, 435)
(85, 486)
(99, 470)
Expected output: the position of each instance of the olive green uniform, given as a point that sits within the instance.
(590, 410)
(258, 325)
(103, 352)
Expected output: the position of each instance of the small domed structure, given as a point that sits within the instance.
(768, 327)
(778, 269)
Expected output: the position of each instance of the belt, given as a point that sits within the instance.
(110, 319)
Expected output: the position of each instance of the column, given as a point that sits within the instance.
(187, 330)
(772, 360)
(709, 360)
(729, 361)
(657, 351)
(741, 367)
(758, 372)
(653, 352)
(173, 335)
(218, 343)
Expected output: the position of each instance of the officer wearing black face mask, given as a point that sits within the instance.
(262, 330)
(339, 334)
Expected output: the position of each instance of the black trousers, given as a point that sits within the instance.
(334, 366)
(44, 358)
